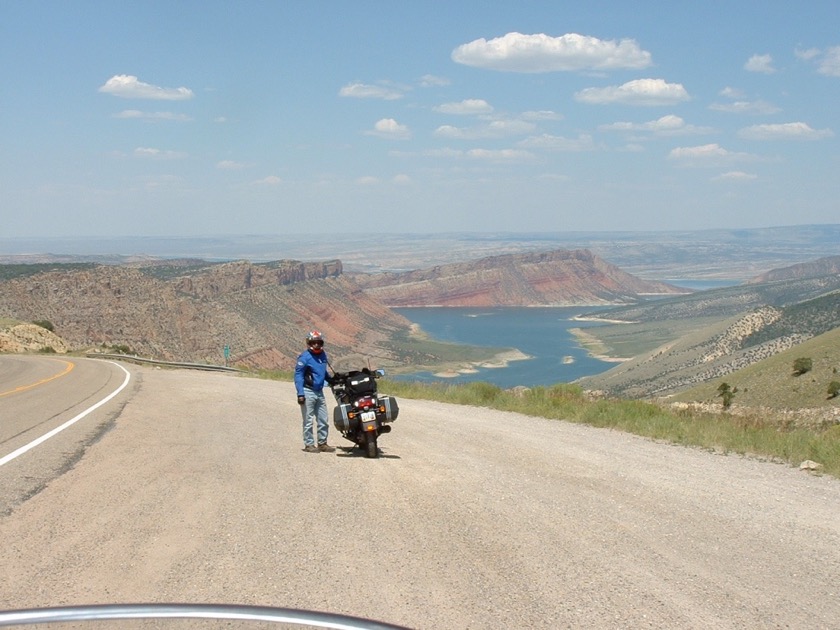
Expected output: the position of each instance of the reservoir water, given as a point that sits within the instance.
(541, 333)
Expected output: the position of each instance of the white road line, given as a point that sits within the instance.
(47, 436)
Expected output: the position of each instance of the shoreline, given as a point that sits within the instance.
(600, 320)
(594, 347)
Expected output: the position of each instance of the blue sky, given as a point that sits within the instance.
(202, 118)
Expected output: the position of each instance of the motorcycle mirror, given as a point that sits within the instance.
(380, 372)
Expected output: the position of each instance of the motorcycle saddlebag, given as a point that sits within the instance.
(392, 409)
(341, 421)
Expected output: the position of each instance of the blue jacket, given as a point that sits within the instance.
(311, 372)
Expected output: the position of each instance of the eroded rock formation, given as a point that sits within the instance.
(557, 278)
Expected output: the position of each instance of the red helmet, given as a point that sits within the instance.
(315, 341)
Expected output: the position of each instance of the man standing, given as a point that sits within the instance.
(310, 376)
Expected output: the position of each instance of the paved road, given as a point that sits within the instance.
(45, 405)
(472, 519)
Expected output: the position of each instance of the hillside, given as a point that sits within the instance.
(718, 348)
(772, 383)
(557, 278)
(191, 312)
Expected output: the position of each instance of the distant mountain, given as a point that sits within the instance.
(559, 277)
(813, 269)
(726, 302)
(728, 254)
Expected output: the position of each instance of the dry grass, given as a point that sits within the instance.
(772, 384)
(765, 436)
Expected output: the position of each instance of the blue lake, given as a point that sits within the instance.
(541, 333)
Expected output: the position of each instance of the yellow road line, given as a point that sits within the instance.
(23, 388)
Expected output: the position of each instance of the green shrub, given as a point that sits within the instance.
(726, 394)
(44, 323)
(833, 389)
(802, 365)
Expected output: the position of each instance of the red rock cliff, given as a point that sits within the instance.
(560, 277)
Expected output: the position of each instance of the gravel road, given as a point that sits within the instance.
(200, 492)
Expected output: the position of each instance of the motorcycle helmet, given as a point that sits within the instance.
(315, 341)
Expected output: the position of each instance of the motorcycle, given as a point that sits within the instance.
(362, 414)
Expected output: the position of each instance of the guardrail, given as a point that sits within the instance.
(175, 364)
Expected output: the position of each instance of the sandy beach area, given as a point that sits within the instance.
(501, 360)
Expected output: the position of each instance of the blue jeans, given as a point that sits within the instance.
(315, 408)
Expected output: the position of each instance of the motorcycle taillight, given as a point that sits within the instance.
(365, 403)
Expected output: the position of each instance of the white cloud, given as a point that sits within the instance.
(158, 154)
(494, 129)
(731, 92)
(784, 131)
(746, 107)
(742, 106)
(430, 80)
(363, 90)
(493, 155)
(467, 106)
(127, 86)
(401, 179)
(390, 128)
(806, 54)
(705, 150)
(735, 176)
(448, 131)
(558, 143)
(830, 63)
(638, 92)
(516, 52)
(760, 63)
(669, 125)
(542, 115)
(137, 114)
(706, 155)
(367, 180)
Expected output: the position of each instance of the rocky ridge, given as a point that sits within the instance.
(260, 312)
(555, 278)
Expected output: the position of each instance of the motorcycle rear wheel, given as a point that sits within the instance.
(370, 445)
